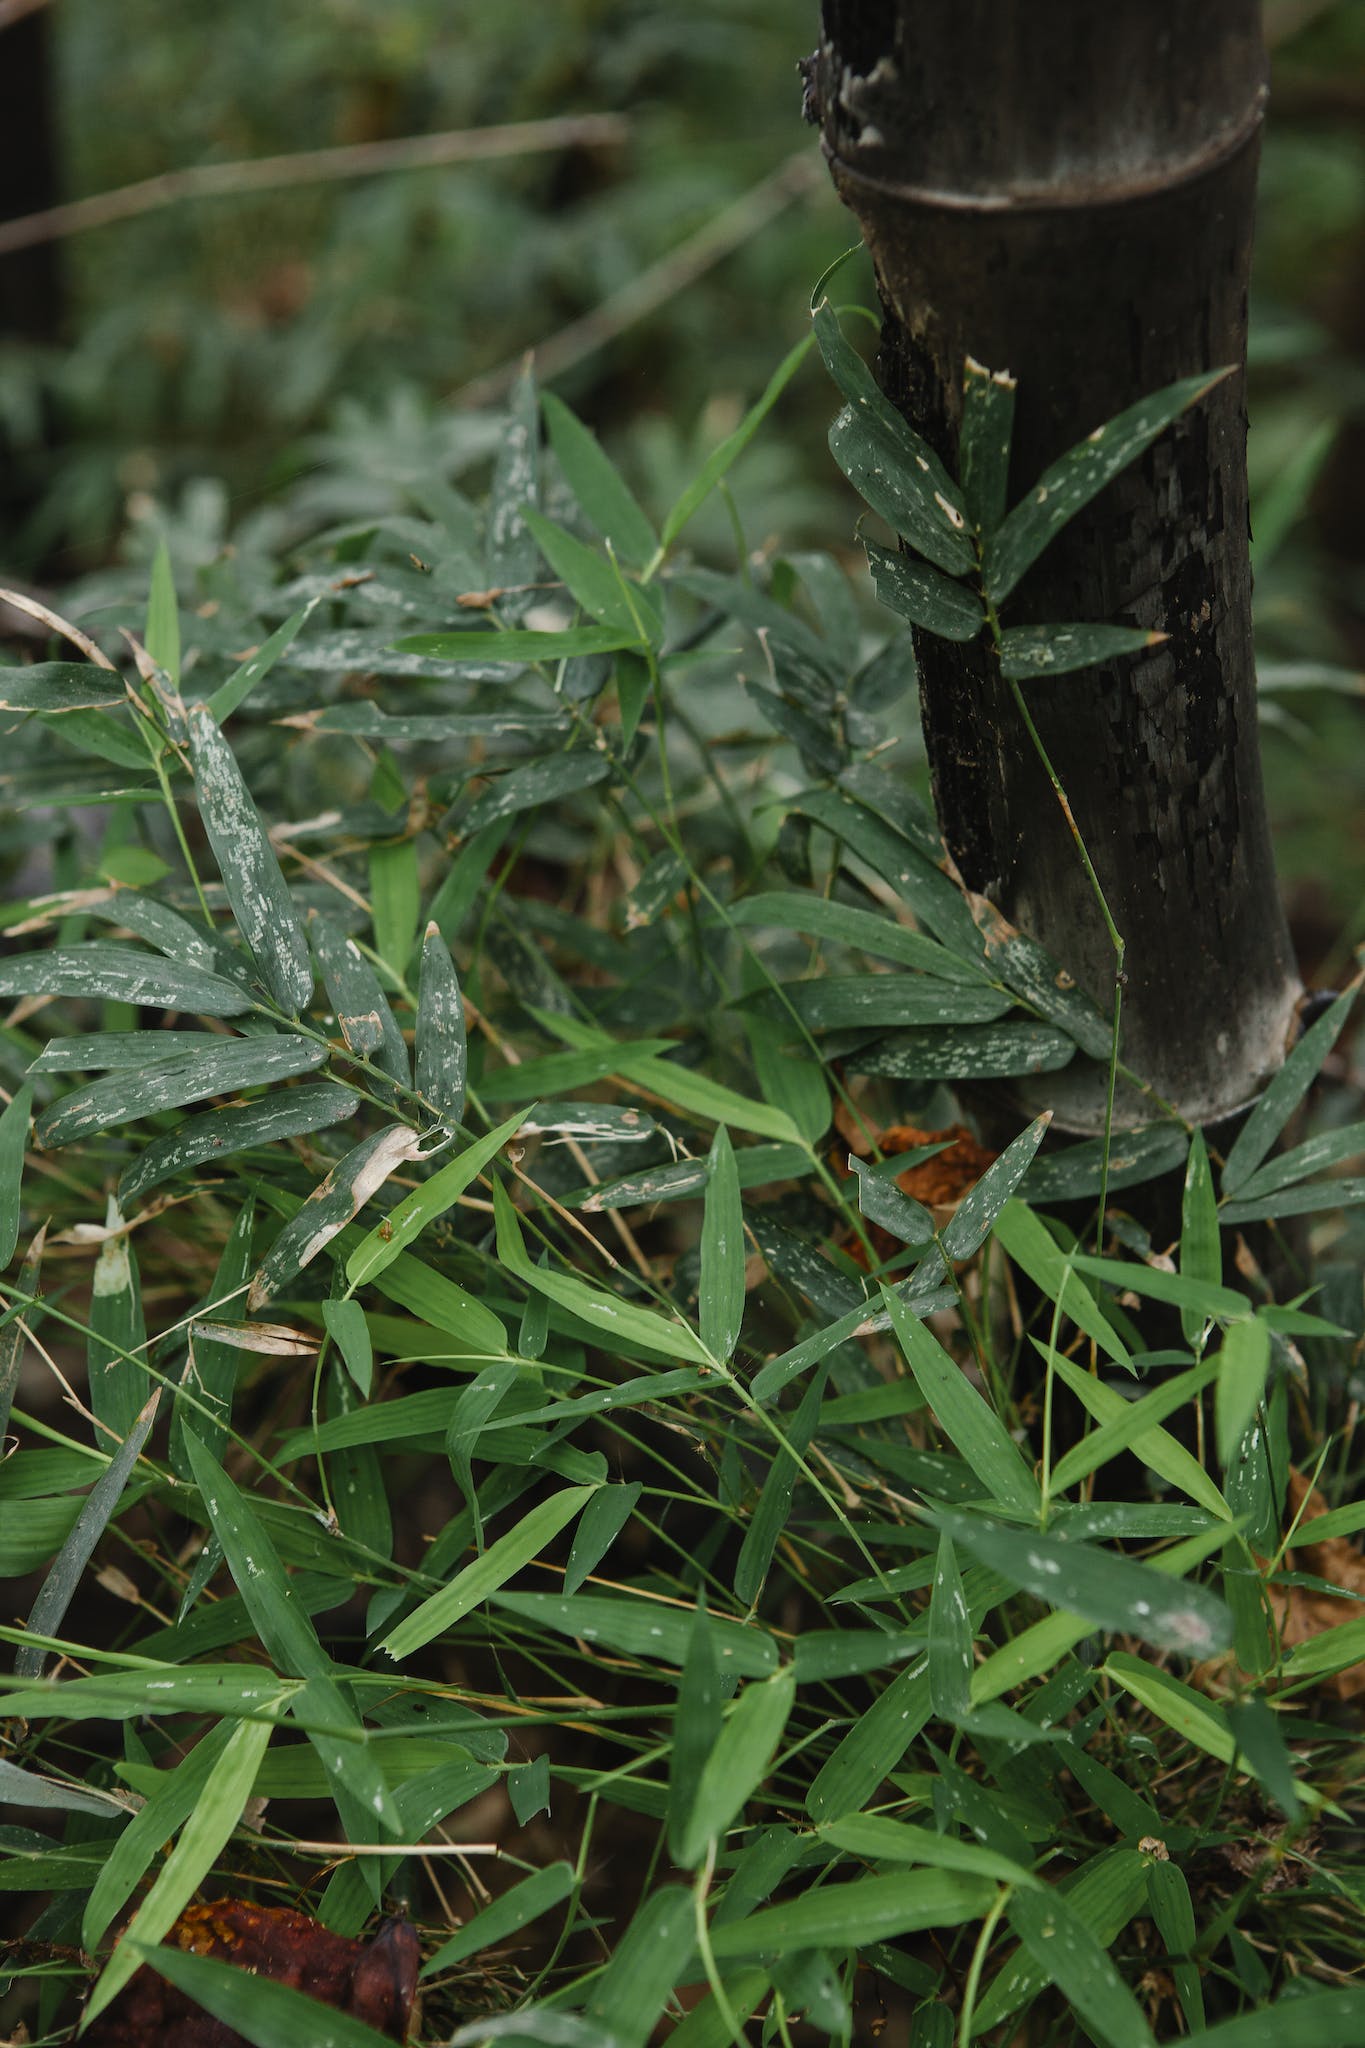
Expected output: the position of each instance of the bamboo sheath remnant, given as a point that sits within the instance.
(1068, 193)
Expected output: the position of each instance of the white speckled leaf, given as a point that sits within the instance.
(251, 874)
(221, 1066)
(330, 1207)
(442, 1054)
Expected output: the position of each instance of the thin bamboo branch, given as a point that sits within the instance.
(309, 167)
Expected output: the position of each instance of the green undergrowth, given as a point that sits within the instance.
(488, 1430)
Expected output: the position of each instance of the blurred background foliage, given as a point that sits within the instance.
(322, 345)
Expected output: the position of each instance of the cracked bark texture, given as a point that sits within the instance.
(1067, 192)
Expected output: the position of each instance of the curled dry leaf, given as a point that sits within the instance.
(374, 1981)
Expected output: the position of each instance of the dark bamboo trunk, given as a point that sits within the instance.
(1066, 191)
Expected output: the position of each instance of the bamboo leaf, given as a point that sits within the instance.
(648, 1629)
(220, 1133)
(504, 1916)
(841, 922)
(1037, 1253)
(966, 1052)
(975, 1216)
(1316, 2019)
(360, 1173)
(971, 1424)
(1327, 1148)
(487, 1574)
(346, 1326)
(589, 579)
(626, 2000)
(872, 1747)
(1115, 1592)
(984, 443)
(1079, 475)
(362, 1010)
(68, 1567)
(1064, 1948)
(599, 1525)
(1285, 1093)
(442, 1055)
(13, 1140)
(513, 557)
(256, 889)
(205, 1834)
(923, 595)
(244, 678)
(858, 1002)
(1131, 1424)
(1243, 1362)
(121, 974)
(287, 1635)
(162, 637)
(1201, 1251)
(548, 781)
(852, 1915)
(738, 1763)
(1027, 652)
(1152, 1444)
(220, 1067)
(950, 1638)
(603, 495)
(771, 1515)
(164, 1811)
(60, 686)
(116, 1360)
(886, 461)
(696, 1727)
(519, 645)
(721, 1291)
(14, 1328)
(411, 1216)
(883, 1203)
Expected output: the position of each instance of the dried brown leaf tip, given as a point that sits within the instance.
(374, 1981)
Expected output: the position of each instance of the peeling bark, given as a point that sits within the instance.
(1067, 193)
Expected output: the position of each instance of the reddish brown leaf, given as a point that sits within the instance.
(374, 1981)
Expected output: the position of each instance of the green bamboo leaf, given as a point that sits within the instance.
(287, 1635)
(519, 645)
(640, 1328)
(1320, 2019)
(1130, 1424)
(603, 495)
(648, 1629)
(346, 1326)
(1027, 652)
(221, 1066)
(886, 461)
(121, 974)
(442, 1055)
(696, 1727)
(1192, 1714)
(1256, 1729)
(548, 781)
(819, 918)
(738, 1763)
(1309, 1199)
(162, 635)
(601, 1522)
(1153, 1445)
(1079, 475)
(1336, 1649)
(256, 889)
(966, 1052)
(966, 1419)
(627, 1999)
(1104, 1894)
(487, 1574)
(203, 1401)
(1063, 1947)
(203, 1838)
(104, 1052)
(14, 1330)
(513, 557)
(267, 2014)
(882, 1840)
(984, 443)
(361, 1008)
(13, 1140)
(505, 1916)
(164, 1811)
(838, 1002)
(219, 1133)
(196, 944)
(1328, 1148)
(19, 1787)
(923, 595)
(1036, 1252)
(721, 1290)
(1114, 1592)
(411, 1216)
(872, 1747)
(883, 1203)
(974, 1218)
(244, 678)
(231, 1689)
(1285, 1092)
(68, 1567)
(1201, 1251)
(1207, 1297)
(1242, 1362)
(723, 458)
(950, 1638)
(773, 1511)
(116, 1358)
(60, 686)
(589, 579)
(698, 1095)
(358, 1175)
(852, 1915)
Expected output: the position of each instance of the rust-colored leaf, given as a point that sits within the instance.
(374, 1981)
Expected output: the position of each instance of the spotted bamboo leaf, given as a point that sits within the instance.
(442, 1053)
(221, 1066)
(355, 1177)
